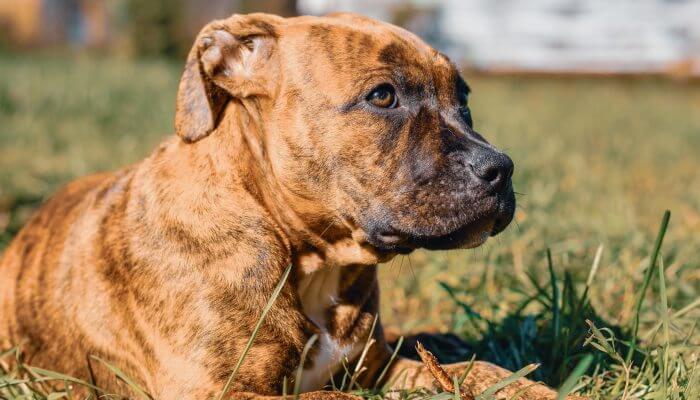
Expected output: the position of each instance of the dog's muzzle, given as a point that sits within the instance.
(494, 171)
(476, 202)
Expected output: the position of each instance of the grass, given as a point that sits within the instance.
(597, 163)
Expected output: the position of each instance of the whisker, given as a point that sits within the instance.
(410, 266)
(391, 264)
(325, 230)
(517, 225)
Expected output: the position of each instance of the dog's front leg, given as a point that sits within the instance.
(404, 373)
(317, 395)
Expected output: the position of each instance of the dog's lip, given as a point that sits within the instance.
(392, 242)
(505, 213)
(499, 225)
(467, 236)
(390, 238)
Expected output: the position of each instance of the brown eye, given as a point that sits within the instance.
(383, 96)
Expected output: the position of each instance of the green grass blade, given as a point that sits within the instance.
(691, 386)
(248, 345)
(467, 370)
(491, 391)
(59, 376)
(571, 380)
(368, 343)
(647, 279)
(123, 376)
(7, 352)
(666, 322)
(689, 307)
(300, 369)
(555, 302)
(391, 360)
(596, 264)
(518, 395)
(455, 382)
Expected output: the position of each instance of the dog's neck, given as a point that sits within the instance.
(202, 214)
(233, 156)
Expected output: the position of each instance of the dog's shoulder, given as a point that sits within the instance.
(63, 204)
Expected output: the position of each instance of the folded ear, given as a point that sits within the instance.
(230, 58)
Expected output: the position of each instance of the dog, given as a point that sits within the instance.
(328, 144)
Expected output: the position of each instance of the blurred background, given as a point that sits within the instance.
(597, 101)
(594, 36)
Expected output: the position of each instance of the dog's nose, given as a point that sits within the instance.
(493, 168)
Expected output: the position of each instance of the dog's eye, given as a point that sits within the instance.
(383, 96)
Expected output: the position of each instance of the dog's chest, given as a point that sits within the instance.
(319, 292)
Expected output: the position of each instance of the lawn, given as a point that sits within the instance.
(597, 163)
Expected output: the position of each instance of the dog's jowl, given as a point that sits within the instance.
(327, 143)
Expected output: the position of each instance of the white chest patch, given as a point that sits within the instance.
(318, 292)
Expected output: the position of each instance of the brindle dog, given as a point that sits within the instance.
(328, 143)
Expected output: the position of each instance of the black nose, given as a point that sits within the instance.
(493, 168)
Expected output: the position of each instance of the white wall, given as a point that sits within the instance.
(596, 35)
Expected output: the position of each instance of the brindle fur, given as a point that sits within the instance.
(163, 268)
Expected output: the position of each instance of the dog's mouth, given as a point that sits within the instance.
(404, 244)
(471, 234)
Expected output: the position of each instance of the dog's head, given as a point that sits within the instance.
(359, 120)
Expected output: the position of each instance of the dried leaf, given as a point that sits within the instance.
(439, 373)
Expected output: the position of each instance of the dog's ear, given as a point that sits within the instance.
(230, 58)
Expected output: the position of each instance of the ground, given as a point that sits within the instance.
(597, 163)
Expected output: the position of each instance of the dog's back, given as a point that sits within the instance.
(34, 301)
